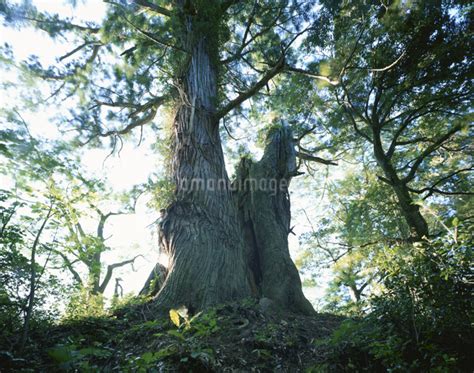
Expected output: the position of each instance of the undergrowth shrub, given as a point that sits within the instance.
(422, 321)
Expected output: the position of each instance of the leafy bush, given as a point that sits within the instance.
(15, 276)
(422, 320)
(84, 304)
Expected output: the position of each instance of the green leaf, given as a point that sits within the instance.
(62, 354)
(174, 316)
(176, 333)
(455, 222)
(148, 357)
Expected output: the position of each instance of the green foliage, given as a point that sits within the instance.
(364, 217)
(71, 356)
(162, 191)
(17, 234)
(83, 303)
(422, 319)
(14, 271)
(199, 325)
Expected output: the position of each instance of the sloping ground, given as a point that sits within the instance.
(244, 337)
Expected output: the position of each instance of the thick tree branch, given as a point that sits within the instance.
(155, 8)
(253, 90)
(305, 132)
(312, 158)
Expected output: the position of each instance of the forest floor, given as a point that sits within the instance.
(236, 337)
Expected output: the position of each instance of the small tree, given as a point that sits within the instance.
(25, 284)
(80, 247)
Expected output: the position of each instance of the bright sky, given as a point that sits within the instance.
(129, 235)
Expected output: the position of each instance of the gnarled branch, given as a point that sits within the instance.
(110, 270)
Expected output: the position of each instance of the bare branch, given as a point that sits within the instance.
(351, 55)
(355, 126)
(151, 106)
(312, 158)
(110, 270)
(77, 49)
(91, 59)
(444, 192)
(312, 75)
(253, 90)
(428, 151)
(92, 30)
(432, 189)
(245, 43)
(103, 219)
(152, 37)
(155, 8)
(389, 66)
(69, 265)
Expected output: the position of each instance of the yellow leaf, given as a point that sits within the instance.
(174, 316)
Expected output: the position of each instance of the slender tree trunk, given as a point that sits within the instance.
(94, 269)
(31, 296)
(411, 212)
(354, 292)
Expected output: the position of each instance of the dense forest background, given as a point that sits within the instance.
(364, 108)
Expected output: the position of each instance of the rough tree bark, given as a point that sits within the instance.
(201, 231)
(264, 209)
(155, 280)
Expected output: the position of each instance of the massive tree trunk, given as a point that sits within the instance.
(201, 231)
